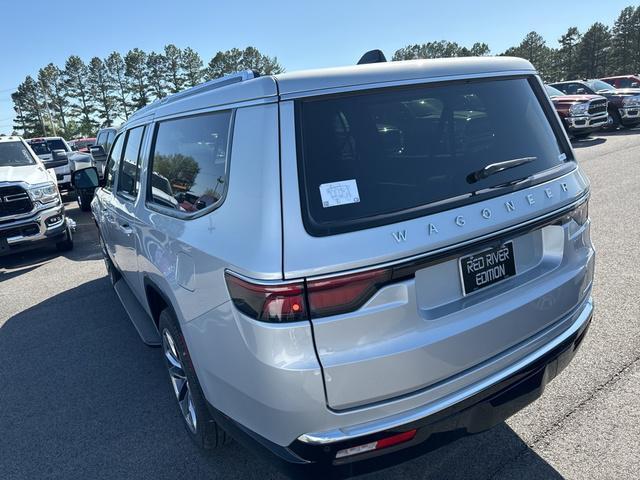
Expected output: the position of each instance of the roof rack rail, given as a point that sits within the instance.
(237, 77)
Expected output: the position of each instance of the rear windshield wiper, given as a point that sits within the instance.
(492, 168)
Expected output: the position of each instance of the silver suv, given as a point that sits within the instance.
(352, 263)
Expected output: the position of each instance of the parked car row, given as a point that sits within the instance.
(586, 106)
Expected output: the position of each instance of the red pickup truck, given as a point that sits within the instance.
(623, 81)
(581, 114)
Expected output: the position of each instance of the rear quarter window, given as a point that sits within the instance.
(189, 163)
(372, 158)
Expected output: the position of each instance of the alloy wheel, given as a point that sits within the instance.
(179, 381)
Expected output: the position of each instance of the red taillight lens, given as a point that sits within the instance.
(271, 303)
(336, 295)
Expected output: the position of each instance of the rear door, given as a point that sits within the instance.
(125, 226)
(373, 181)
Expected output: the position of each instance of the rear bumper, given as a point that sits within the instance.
(474, 410)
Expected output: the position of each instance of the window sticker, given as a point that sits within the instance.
(343, 192)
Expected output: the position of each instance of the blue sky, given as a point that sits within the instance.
(301, 34)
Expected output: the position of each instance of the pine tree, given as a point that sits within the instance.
(82, 105)
(234, 60)
(623, 33)
(568, 54)
(173, 68)
(192, 66)
(594, 51)
(136, 71)
(102, 90)
(117, 68)
(156, 64)
(51, 80)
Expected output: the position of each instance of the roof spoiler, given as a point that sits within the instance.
(372, 56)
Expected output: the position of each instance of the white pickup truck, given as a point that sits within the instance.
(56, 153)
(31, 210)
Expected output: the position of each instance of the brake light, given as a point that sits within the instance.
(580, 215)
(336, 295)
(378, 445)
(287, 302)
(268, 302)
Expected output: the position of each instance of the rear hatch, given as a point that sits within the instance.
(422, 218)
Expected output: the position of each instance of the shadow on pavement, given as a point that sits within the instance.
(82, 397)
(85, 247)
(588, 142)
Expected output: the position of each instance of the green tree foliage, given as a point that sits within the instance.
(136, 72)
(224, 63)
(173, 68)
(102, 90)
(117, 68)
(179, 169)
(624, 33)
(51, 80)
(440, 49)
(156, 63)
(83, 104)
(192, 67)
(567, 54)
(28, 108)
(594, 51)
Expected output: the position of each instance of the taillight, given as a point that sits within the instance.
(287, 302)
(332, 296)
(268, 302)
(580, 214)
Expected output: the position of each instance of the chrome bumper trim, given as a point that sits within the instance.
(361, 430)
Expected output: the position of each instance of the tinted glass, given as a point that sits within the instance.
(128, 180)
(189, 162)
(14, 154)
(110, 136)
(553, 92)
(45, 147)
(112, 163)
(386, 153)
(600, 86)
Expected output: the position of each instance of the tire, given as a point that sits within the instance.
(581, 135)
(614, 120)
(112, 272)
(84, 202)
(197, 420)
(66, 244)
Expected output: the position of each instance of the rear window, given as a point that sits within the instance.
(46, 146)
(373, 158)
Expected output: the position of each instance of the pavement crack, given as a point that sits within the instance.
(558, 424)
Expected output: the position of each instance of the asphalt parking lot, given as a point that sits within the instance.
(82, 397)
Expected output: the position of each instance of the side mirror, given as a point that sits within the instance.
(85, 179)
(74, 148)
(635, 84)
(97, 151)
(58, 158)
(581, 91)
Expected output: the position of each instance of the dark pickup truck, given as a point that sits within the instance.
(581, 115)
(624, 103)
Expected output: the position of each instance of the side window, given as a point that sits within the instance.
(113, 161)
(189, 162)
(128, 181)
(109, 141)
(101, 138)
(623, 83)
